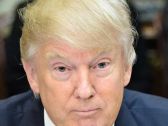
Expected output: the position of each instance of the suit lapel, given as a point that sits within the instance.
(35, 119)
(125, 117)
(33, 114)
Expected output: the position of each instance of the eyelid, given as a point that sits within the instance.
(59, 64)
(61, 75)
(99, 61)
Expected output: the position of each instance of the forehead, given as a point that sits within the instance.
(58, 49)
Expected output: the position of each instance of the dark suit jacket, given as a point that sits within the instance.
(137, 110)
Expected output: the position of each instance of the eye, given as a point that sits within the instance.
(102, 65)
(61, 69)
(102, 68)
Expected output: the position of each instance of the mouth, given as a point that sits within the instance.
(86, 112)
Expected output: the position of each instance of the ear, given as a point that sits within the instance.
(31, 75)
(127, 75)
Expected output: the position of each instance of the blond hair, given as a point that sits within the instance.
(83, 24)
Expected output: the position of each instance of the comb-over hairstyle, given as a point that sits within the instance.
(85, 24)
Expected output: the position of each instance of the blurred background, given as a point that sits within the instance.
(150, 72)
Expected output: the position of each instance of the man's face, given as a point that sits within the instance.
(79, 87)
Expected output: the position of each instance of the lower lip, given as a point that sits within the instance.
(86, 113)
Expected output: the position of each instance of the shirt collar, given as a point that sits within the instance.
(47, 120)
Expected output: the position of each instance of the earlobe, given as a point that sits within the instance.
(31, 76)
(127, 75)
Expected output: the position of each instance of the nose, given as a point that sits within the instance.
(84, 89)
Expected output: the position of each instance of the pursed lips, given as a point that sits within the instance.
(86, 112)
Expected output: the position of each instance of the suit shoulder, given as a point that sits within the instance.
(147, 110)
(20, 109)
(16, 102)
(135, 100)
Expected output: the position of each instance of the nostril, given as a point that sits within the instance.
(91, 96)
(84, 92)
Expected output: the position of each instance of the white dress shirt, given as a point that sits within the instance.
(47, 120)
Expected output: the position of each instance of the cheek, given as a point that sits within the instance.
(55, 92)
(110, 90)
(112, 83)
(55, 96)
(112, 95)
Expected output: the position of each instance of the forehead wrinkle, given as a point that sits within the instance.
(91, 55)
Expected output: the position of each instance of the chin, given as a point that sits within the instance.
(89, 122)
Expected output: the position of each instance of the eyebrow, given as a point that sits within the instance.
(52, 55)
(99, 55)
(55, 54)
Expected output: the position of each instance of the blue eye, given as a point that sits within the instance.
(102, 68)
(102, 65)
